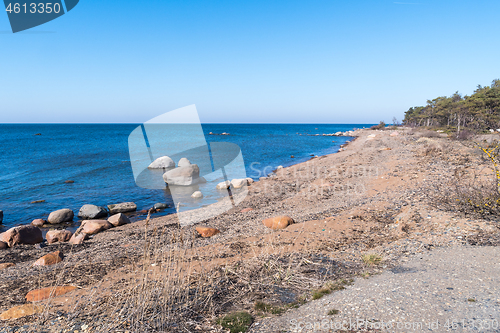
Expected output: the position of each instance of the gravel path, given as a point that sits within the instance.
(453, 289)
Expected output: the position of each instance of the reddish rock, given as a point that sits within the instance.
(6, 265)
(118, 219)
(92, 227)
(21, 311)
(25, 234)
(278, 222)
(144, 211)
(50, 259)
(38, 222)
(207, 232)
(46, 293)
(78, 237)
(54, 236)
(3, 245)
(246, 210)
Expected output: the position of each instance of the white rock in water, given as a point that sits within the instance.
(183, 176)
(223, 185)
(184, 162)
(279, 167)
(239, 183)
(197, 195)
(163, 162)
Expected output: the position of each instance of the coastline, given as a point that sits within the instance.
(363, 199)
(72, 179)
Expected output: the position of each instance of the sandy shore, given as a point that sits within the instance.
(374, 197)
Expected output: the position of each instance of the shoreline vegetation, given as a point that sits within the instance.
(477, 113)
(309, 230)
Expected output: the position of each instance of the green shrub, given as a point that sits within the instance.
(236, 322)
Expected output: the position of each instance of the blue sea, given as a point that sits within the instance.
(96, 157)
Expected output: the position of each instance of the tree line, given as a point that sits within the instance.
(478, 112)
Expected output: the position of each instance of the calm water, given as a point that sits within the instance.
(96, 157)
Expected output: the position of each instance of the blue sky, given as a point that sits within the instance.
(247, 61)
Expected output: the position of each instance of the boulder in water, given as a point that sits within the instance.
(124, 207)
(183, 176)
(184, 162)
(163, 162)
(90, 212)
(160, 205)
(197, 195)
(61, 216)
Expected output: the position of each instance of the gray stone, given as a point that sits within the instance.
(61, 216)
(124, 207)
(160, 205)
(184, 162)
(118, 219)
(90, 212)
(183, 176)
(163, 162)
